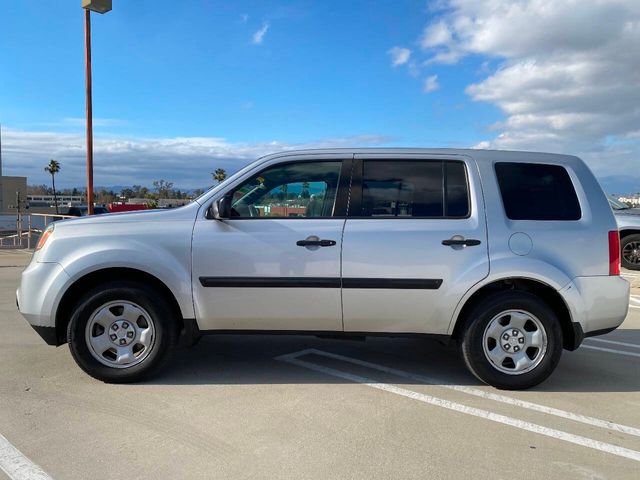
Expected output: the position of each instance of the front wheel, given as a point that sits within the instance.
(122, 332)
(512, 340)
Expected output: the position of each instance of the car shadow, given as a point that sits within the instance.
(252, 359)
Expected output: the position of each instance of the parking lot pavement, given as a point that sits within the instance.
(632, 276)
(298, 407)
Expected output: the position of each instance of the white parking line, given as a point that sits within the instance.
(16, 465)
(613, 342)
(634, 299)
(610, 350)
(475, 412)
(472, 391)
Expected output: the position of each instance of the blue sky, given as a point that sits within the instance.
(183, 87)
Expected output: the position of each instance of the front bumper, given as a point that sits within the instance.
(40, 290)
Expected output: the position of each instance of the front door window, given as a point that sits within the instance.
(304, 189)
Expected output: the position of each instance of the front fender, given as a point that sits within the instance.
(136, 255)
(161, 249)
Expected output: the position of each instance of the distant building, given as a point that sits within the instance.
(48, 200)
(12, 190)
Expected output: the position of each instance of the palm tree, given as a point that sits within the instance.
(305, 190)
(53, 168)
(220, 175)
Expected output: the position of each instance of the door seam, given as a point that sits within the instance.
(344, 225)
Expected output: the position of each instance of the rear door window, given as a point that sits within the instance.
(413, 188)
(532, 191)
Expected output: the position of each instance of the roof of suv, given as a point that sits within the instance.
(481, 155)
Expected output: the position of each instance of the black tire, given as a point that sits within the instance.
(632, 262)
(161, 313)
(471, 342)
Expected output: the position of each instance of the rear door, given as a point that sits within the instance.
(414, 242)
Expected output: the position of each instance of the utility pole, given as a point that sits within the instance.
(0, 157)
(18, 217)
(2, 206)
(87, 61)
(99, 6)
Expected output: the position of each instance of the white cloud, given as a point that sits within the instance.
(258, 36)
(74, 122)
(435, 35)
(187, 161)
(431, 84)
(567, 72)
(399, 55)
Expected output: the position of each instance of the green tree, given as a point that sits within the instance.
(219, 175)
(127, 193)
(163, 188)
(52, 169)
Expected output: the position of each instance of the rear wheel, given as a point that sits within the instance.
(122, 332)
(512, 340)
(630, 252)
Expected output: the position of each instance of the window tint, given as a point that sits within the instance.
(305, 189)
(414, 189)
(537, 192)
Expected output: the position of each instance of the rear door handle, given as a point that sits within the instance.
(315, 243)
(467, 243)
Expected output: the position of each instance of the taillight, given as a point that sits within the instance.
(614, 252)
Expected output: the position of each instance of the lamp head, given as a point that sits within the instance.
(98, 6)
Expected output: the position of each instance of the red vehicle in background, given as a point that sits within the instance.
(126, 207)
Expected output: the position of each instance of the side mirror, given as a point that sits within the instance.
(220, 209)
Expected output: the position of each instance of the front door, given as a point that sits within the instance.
(275, 264)
(415, 241)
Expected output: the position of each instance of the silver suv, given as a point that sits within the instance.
(513, 256)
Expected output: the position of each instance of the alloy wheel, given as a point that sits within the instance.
(631, 253)
(120, 334)
(515, 342)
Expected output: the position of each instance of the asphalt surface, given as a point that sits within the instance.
(297, 407)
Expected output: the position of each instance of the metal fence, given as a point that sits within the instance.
(24, 229)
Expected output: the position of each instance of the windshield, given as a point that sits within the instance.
(617, 205)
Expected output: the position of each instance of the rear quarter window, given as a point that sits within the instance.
(532, 191)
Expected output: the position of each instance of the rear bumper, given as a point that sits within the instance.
(598, 304)
(579, 335)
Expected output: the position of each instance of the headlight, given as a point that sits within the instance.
(44, 237)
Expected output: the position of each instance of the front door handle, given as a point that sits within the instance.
(315, 243)
(461, 241)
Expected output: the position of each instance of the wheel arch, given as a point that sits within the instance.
(625, 232)
(537, 287)
(83, 284)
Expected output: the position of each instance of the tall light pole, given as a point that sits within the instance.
(98, 6)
